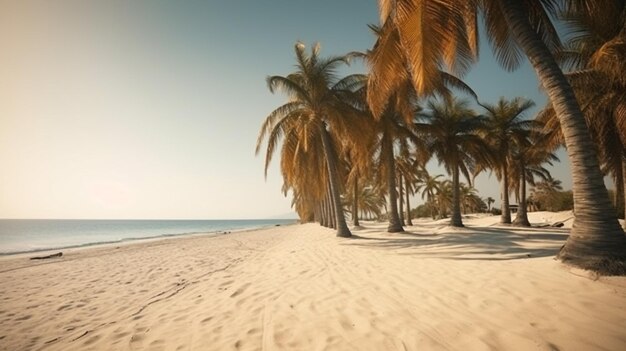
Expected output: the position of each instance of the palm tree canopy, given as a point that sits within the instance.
(452, 133)
(507, 128)
(507, 120)
(427, 37)
(388, 55)
(316, 96)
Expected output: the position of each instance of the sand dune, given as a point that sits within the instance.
(298, 287)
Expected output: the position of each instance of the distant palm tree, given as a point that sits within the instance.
(506, 129)
(470, 201)
(371, 202)
(526, 164)
(544, 193)
(445, 198)
(451, 130)
(490, 200)
(429, 185)
(358, 167)
(317, 106)
(409, 170)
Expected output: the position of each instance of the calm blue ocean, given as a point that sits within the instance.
(21, 235)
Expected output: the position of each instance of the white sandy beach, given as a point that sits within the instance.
(483, 287)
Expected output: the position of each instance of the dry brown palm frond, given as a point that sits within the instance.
(387, 68)
(432, 33)
(611, 60)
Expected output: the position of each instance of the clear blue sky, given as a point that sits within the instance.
(151, 109)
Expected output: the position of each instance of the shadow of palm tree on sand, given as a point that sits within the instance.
(494, 243)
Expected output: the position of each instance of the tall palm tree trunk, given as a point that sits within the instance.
(505, 217)
(521, 218)
(624, 186)
(400, 200)
(331, 209)
(322, 213)
(394, 220)
(456, 220)
(340, 220)
(318, 217)
(355, 204)
(408, 205)
(596, 240)
(326, 211)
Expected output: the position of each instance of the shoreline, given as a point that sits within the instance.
(130, 240)
(12, 261)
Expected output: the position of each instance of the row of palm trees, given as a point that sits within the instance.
(393, 149)
(438, 196)
(338, 132)
(369, 201)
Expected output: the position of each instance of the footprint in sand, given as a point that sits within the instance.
(240, 290)
(253, 331)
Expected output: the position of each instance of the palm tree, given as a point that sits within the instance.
(490, 200)
(429, 185)
(445, 197)
(358, 164)
(526, 165)
(392, 128)
(506, 129)
(470, 201)
(423, 36)
(400, 195)
(545, 192)
(452, 136)
(371, 202)
(407, 172)
(317, 106)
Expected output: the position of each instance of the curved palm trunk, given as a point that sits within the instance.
(505, 217)
(394, 220)
(340, 221)
(400, 200)
(456, 220)
(521, 218)
(355, 204)
(596, 240)
(408, 205)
